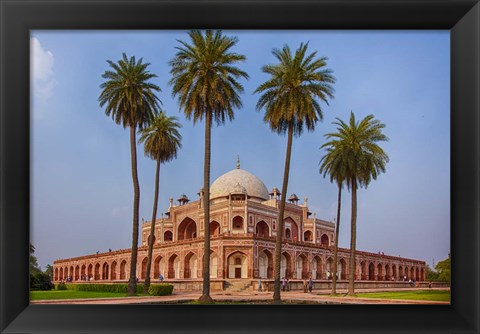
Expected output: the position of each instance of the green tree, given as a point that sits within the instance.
(430, 274)
(205, 79)
(289, 97)
(355, 146)
(129, 98)
(443, 270)
(33, 263)
(332, 165)
(161, 142)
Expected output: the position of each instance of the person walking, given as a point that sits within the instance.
(310, 285)
(284, 284)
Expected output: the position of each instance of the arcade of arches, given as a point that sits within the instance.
(243, 229)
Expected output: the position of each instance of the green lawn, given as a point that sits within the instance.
(73, 294)
(434, 295)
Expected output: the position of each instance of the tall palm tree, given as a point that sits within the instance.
(331, 164)
(161, 142)
(129, 98)
(290, 101)
(355, 144)
(205, 79)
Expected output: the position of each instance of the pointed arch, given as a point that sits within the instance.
(123, 272)
(190, 266)
(324, 240)
(262, 229)
(174, 266)
(265, 264)
(187, 229)
(215, 228)
(237, 265)
(113, 271)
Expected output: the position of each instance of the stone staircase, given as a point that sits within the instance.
(238, 285)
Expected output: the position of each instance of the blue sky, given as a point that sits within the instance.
(81, 196)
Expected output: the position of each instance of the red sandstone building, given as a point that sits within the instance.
(243, 228)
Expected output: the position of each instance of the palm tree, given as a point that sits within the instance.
(205, 81)
(290, 101)
(161, 142)
(355, 147)
(331, 164)
(129, 98)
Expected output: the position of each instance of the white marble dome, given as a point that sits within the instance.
(238, 181)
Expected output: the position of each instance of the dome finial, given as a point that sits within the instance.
(238, 162)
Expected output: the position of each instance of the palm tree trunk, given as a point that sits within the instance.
(335, 246)
(152, 229)
(205, 298)
(132, 283)
(281, 211)
(353, 240)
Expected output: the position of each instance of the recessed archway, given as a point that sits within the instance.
(237, 223)
(301, 266)
(371, 272)
(105, 271)
(262, 229)
(213, 264)
(237, 265)
(77, 273)
(307, 236)
(265, 264)
(290, 224)
(158, 267)
(113, 271)
(143, 272)
(97, 272)
(379, 272)
(123, 271)
(190, 266)
(324, 240)
(342, 269)
(286, 265)
(168, 236)
(187, 229)
(215, 228)
(317, 267)
(174, 266)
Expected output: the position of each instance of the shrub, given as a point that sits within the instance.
(160, 289)
(123, 288)
(61, 286)
(40, 281)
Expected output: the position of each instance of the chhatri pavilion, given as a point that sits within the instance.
(243, 227)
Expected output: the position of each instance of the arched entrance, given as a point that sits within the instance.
(262, 229)
(237, 265)
(301, 266)
(265, 264)
(317, 267)
(190, 270)
(77, 273)
(237, 223)
(187, 229)
(329, 268)
(158, 267)
(105, 271)
(167, 236)
(324, 241)
(113, 271)
(61, 274)
(123, 272)
(286, 265)
(83, 272)
(291, 226)
(174, 266)
(97, 272)
(307, 236)
(363, 271)
(342, 269)
(90, 271)
(371, 272)
(388, 274)
(394, 272)
(214, 228)
(143, 272)
(379, 272)
(213, 264)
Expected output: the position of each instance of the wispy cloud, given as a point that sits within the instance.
(42, 70)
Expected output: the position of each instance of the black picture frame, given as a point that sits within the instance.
(18, 17)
